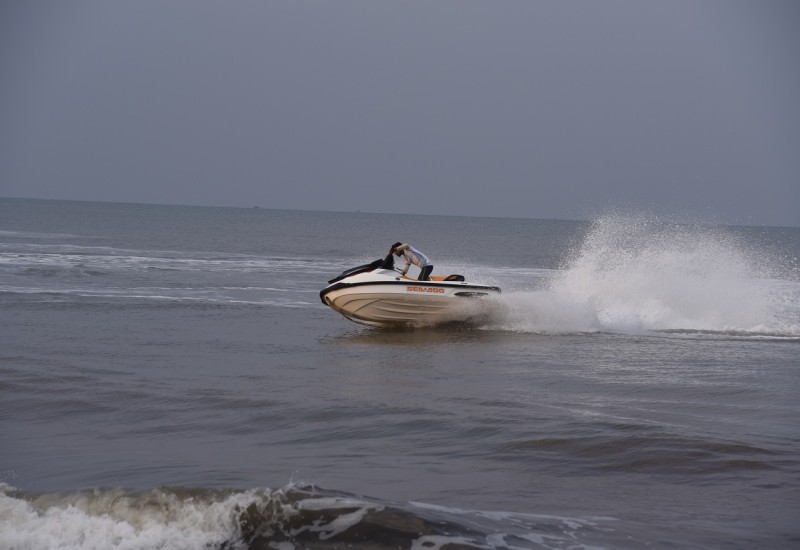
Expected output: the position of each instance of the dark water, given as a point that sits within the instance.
(169, 379)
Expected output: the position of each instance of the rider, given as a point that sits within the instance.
(413, 256)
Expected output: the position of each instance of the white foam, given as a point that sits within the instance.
(115, 520)
(338, 524)
(435, 542)
(546, 531)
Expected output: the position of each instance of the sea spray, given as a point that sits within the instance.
(637, 274)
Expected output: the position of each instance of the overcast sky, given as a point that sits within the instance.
(535, 109)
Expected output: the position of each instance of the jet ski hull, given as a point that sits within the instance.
(382, 298)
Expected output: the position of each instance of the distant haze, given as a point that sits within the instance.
(536, 109)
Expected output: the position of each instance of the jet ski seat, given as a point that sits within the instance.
(453, 277)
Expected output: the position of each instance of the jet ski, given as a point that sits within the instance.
(377, 295)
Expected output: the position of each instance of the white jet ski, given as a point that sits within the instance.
(377, 295)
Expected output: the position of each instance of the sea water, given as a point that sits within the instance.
(170, 379)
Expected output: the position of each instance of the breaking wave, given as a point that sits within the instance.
(636, 274)
(294, 517)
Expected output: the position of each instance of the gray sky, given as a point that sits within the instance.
(536, 109)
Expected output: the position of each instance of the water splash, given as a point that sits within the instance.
(638, 274)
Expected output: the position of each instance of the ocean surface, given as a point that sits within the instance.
(170, 379)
